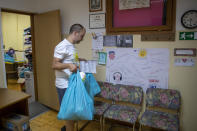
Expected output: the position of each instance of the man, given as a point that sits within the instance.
(65, 62)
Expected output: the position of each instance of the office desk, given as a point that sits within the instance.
(13, 101)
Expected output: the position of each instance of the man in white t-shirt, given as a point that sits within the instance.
(66, 61)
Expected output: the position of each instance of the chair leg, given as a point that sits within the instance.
(7, 78)
(134, 127)
(101, 123)
(76, 126)
(140, 127)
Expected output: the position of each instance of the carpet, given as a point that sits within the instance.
(36, 108)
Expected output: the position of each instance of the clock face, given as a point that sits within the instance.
(189, 19)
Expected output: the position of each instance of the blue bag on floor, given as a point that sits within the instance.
(76, 103)
(91, 85)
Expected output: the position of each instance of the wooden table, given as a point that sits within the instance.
(13, 101)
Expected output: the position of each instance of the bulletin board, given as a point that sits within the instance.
(159, 16)
(149, 16)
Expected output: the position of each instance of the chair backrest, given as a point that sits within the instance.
(127, 93)
(163, 98)
(121, 93)
(105, 90)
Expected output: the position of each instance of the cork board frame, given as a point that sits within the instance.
(169, 26)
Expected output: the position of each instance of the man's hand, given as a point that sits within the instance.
(73, 67)
(58, 65)
(82, 59)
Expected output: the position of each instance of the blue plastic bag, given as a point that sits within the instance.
(76, 103)
(91, 85)
(8, 58)
(22, 72)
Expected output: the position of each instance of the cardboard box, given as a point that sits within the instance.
(15, 122)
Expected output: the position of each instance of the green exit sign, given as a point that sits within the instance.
(188, 36)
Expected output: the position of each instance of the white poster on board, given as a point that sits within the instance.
(132, 4)
(138, 67)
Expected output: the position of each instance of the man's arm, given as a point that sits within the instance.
(58, 65)
(82, 59)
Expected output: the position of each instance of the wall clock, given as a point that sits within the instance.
(189, 19)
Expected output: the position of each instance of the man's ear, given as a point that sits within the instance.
(75, 33)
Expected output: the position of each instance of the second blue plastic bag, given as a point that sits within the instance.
(76, 103)
(91, 85)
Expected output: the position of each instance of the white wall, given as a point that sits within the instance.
(72, 11)
(23, 5)
(77, 11)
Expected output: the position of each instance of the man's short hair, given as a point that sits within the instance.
(76, 27)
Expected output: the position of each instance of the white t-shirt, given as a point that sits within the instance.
(67, 53)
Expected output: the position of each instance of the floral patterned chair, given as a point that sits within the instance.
(126, 107)
(162, 107)
(102, 101)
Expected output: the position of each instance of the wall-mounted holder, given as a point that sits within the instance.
(185, 52)
(158, 37)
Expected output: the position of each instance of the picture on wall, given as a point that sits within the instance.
(95, 5)
(102, 58)
(124, 41)
(118, 40)
(185, 52)
(97, 20)
(109, 40)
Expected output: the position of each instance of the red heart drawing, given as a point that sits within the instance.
(184, 60)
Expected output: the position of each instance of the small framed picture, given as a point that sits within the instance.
(97, 21)
(95, 5)
(102, 58)
(185, 52)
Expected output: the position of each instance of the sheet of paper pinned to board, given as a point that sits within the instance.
(97, 41)
(88, 66)
(132, 4)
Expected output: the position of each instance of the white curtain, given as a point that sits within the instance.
(2, 63)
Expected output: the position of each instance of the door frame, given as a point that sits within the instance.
(31, 14)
